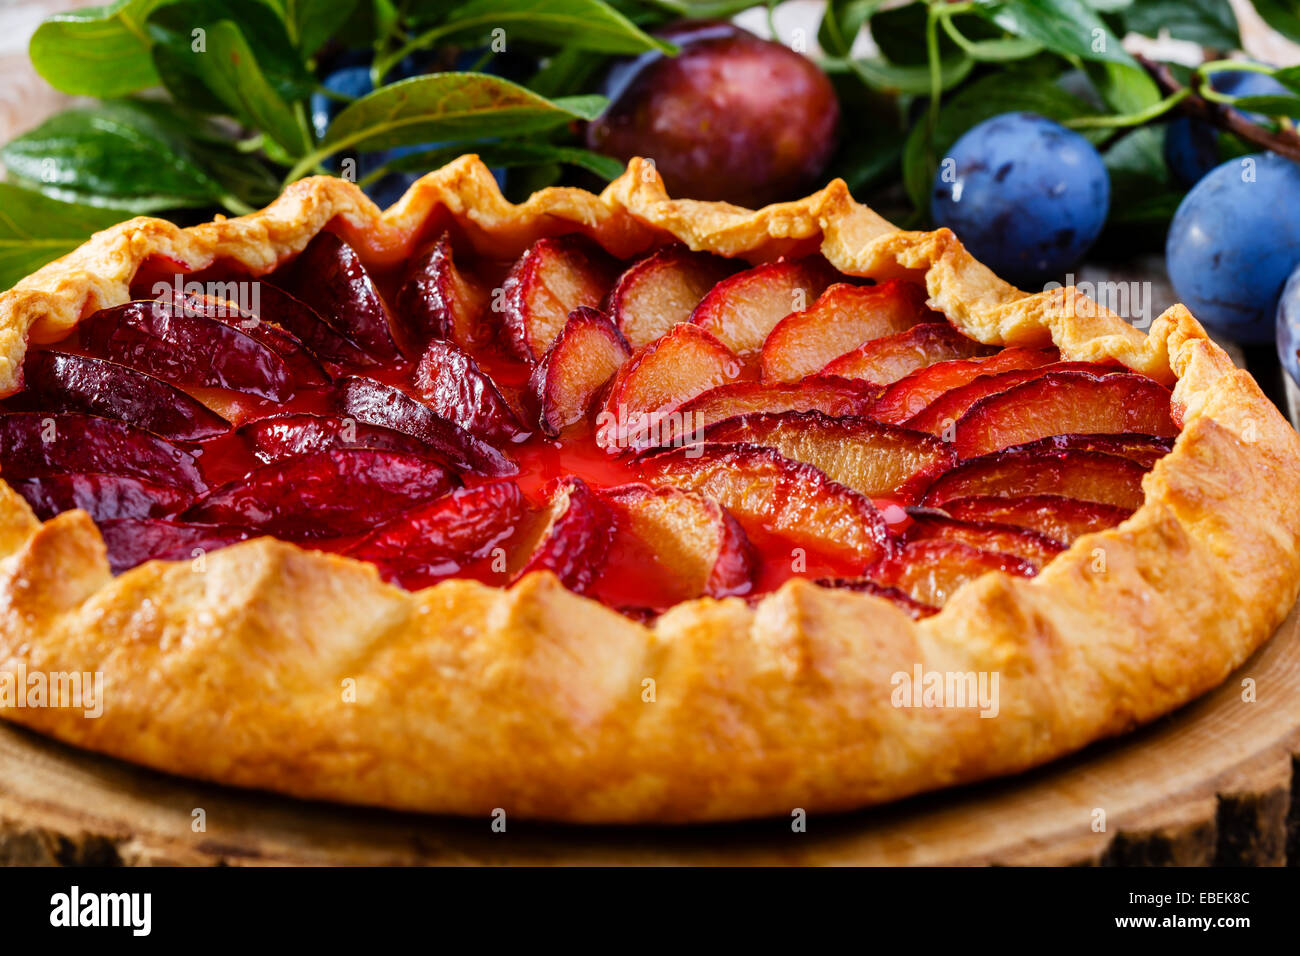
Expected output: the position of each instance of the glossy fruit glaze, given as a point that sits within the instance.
(651, 431)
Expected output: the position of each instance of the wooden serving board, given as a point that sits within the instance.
(1218, 782)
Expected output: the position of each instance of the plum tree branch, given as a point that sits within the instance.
(1284, 142)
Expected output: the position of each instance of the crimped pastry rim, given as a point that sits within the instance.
(470, 698)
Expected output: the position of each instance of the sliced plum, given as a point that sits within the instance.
(439, 301)
(1061, 403)
(1031, 546)
(375, 403)
(570, 537)
(930, 571)
(332, 493)
(64, 382)
(662, 290)
(451, 383)
(103, 497)
(832, 396)
(943, 413)
(1056, 516)
(294, 434)
(1146, 450)
(878, 460)
(328, 275)
(659, 378)
(841, 320)
(583, 357)
(305, 366)
(186, 349)
(440, 539)
(741, 311)
(671, 546)
(133, 541)
(550, 280)
(38, 444)
(769, 493)
(912, 393)
(885, 360)
(1089, 475)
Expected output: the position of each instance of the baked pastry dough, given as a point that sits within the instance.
(301, 672)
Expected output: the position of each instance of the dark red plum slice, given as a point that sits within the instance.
(438, 300)
(292, 314)
(62, 382)
(329, 277)
(570, 537)
(37, 444)
(186, 349)
(328, 494)
(293, 434)
(306, 368)
(103, 497)
(133, 541)
(439, 540)
(452, 384)
(376, 403)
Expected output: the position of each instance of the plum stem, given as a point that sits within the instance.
(1285, 142)
(1130, 119)
(936, 67)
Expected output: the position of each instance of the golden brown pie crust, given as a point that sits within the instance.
(549, 705)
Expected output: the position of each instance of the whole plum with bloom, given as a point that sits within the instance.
(1288, 326)
(1026, 196)
(1234, 240)
(732, 117)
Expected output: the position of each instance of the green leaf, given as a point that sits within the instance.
(174, 28)
(312, 22)
(842, 22)
(232, 72)
(1269, 105)
(1289, 77)
(114, 155)
(510, 155)
(98, 51)
(703, 9)
(35, 230)
(1282, 15)
(992, 95)
(452, 106)
(1067, 27)
(1126, 89)
(891, 78)
(573, 24)
(1207, 22)
(1138, 175)
(567, 70)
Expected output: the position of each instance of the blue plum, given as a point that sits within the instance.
(1027, 196)
(1288, 326)
(1191, 150)
(1234, 240)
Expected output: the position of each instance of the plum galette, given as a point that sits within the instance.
(614, 508)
